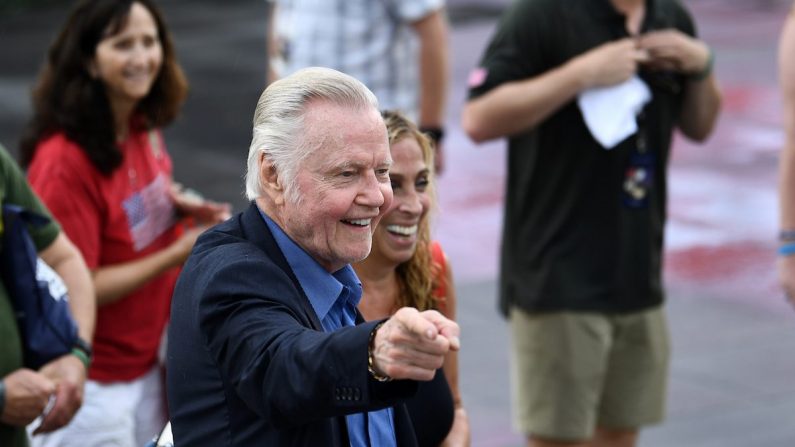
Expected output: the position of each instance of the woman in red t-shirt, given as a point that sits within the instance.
(405, 268)
(97, 159)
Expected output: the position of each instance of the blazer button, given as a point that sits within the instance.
(357, 395)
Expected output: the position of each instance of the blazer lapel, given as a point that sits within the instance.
(257, 232)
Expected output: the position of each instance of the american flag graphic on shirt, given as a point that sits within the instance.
(150, 212)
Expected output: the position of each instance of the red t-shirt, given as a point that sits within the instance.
(116, 219)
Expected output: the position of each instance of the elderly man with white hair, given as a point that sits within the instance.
(266, 346)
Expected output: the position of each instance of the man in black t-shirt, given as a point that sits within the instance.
(582, 242)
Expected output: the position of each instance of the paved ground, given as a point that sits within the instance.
(733, 373)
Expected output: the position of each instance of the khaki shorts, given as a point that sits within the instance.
(573, 372)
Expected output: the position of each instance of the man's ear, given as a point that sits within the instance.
(270, 182)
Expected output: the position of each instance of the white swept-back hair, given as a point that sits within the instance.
(279, 122)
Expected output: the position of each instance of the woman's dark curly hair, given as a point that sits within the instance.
(68, 99)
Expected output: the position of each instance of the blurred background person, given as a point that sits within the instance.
(97, 159)
(397, 48)
(786, 78)
(406, 268)
(24, 394)
(590, 339)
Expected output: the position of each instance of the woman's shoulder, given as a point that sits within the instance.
(439, 271)
(58, 144)
(57, 154)
(438, 256)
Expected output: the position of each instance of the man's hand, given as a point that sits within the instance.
(674, 50)
(69, 375)
(27, 394)
(610, 63)
(412, 344)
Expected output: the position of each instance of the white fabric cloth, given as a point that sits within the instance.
(610, 112)
(371, 40)
(118, 414)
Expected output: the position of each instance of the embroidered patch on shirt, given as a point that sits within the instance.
(477, 77)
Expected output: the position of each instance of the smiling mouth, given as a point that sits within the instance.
(402, 230)
(358, 222)
(138, 75)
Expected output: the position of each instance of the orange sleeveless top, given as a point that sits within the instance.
(439, 269)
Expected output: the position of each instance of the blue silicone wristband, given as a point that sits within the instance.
(787, 249)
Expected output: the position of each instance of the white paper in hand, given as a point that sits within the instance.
(610, 112)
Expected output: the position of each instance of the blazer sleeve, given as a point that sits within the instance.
(263, 344)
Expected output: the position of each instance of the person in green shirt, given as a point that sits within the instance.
(24, 393)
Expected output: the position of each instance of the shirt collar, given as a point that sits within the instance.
(321, 287)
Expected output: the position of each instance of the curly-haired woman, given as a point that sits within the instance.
(406, 268)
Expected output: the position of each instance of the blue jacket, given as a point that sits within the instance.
(248, 361)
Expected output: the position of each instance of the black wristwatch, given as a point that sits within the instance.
(436, 134)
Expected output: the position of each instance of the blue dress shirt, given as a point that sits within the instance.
(334, 298)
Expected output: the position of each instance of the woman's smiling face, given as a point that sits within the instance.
(129, 61)
(395, 237)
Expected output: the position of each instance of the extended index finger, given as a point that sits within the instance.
(414, 323)
(446, 327)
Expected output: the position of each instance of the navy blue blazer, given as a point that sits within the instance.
(248, 361)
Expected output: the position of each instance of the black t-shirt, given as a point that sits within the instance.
(573, 237)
